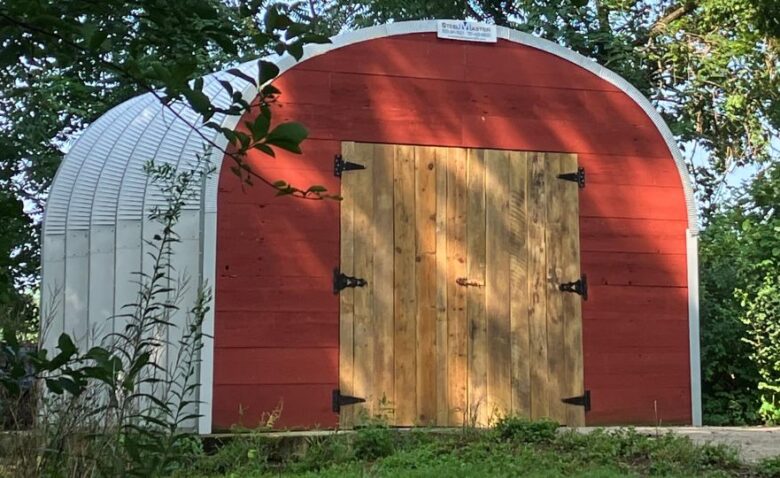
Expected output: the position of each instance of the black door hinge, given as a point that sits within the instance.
(339, 400)
(580, 286)
(581, 400)
(339, 166)
(341, 281)
(578, 177)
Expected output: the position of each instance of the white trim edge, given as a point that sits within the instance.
(692, 252)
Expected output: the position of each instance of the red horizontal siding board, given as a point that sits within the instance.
(415, 89)
(667, 378)
(527, 66)
(636, 335)
(638, 303)
(638, 202)
(462, 124)
(625, 363)
(314, 295)
(260, 328)
(249, 406)
(630, 170)
(242, 366)
(609, 234)
(383, 92)
(305, 86)
(648, 405)
(256, 222)
(621, 268)
(443, 60)
(399, 124)
(530, 134)
(279, 257)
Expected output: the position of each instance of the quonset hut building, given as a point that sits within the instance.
(490, 188)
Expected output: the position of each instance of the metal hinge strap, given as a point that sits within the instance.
(580, 400)
(578, 177)
(339, 400)
(339, 166)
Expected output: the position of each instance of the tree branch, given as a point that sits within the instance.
(660, 25)
(474, 12)
(165, 103)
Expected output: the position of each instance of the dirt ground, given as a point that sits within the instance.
(753, 443)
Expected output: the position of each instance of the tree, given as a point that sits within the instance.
(64, 63)
(740, 261)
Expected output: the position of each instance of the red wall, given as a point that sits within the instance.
(276, 317)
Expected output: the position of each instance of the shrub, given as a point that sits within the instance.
(245, 455)
(373, 441)
(322, 452)
(769, 468)
(526, 431)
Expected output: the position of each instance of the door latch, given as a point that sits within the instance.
(580, 286)
(341, 281)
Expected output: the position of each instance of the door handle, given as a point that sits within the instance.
(464, 282)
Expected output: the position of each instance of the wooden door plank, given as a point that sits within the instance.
(405, 308)
(572, 304)
(457, 328)
(518, 284)
(555, 350)
(537, 285)
(425, 278)
(442, 407)
(497, 292)
(361, 182)
(384, 375)
(475, 309)
(346, 297)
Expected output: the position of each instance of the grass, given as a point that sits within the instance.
(513, 448)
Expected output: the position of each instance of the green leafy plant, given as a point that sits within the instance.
(769, 468)
(740, 269)
(522, 430)
(114, 410)
(373, 441)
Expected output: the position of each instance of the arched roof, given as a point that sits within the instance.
(101, 180)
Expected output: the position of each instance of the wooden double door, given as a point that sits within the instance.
(461, 319)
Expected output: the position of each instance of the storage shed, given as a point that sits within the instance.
(517, 235)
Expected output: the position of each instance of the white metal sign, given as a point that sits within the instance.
(466, 31)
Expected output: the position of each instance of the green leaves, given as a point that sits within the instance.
(739, 315)
(288, 136)
(268, 71)
(259, 127)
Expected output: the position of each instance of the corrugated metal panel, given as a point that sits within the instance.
(80, 209)
(104, 202)
(64, 182)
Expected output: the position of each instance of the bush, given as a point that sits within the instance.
(372, 442)
(526, 431)
(322, 452)
(769, 468)
(740, 267)
(246, 454)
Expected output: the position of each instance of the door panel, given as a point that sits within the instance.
(461, 320)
